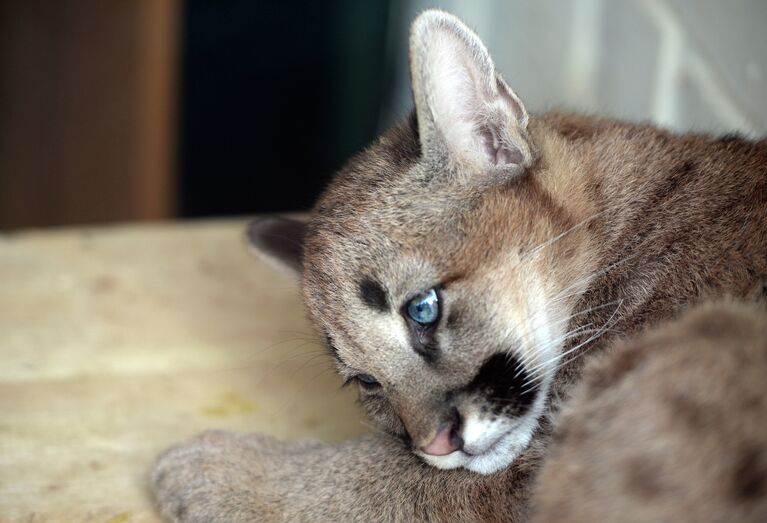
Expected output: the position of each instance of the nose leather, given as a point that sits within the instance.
(445, 442)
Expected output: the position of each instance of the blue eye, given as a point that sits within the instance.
(424, 308)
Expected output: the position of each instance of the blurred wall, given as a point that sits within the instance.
(684, 64)
(148, 109)
(125, 110)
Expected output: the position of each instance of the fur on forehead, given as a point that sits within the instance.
(383, 189)
(384, 200)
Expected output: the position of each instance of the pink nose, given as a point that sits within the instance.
(445, 442)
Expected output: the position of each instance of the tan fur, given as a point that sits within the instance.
(220, 476)
(570, 221)
(669, 427)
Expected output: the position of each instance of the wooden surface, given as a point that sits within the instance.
(117, 342)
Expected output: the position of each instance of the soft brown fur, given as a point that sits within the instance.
(624, 224)
(220, 476)
(669, 427)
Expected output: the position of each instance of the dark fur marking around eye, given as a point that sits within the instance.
(502, 383)
(427, 350)
(422, 339)
(373, 295)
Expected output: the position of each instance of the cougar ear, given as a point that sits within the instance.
(278, 241)
(467, 114)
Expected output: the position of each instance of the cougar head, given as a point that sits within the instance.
(435, 263)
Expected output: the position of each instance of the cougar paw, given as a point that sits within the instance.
(217, 476)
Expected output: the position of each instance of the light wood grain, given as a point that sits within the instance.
(118, 342)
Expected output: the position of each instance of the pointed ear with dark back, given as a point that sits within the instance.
(278, 241)
(467, 114)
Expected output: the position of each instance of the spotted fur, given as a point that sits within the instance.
(667, 427)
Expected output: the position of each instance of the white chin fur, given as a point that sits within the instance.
(500, 456)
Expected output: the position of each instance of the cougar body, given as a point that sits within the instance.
(462, 270)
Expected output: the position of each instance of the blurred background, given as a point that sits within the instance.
(124, 110)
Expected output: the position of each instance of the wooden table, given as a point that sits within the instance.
(117, 342)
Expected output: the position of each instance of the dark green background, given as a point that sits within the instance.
(275, 97)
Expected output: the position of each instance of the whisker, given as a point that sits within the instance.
(605, 327)
(324, 355)
(525, 358)
(323, 372)
(535, 250)
(583, 329)
(314, 353)
(579, 313)
(599, 332)
(575, 357)
(598, 273)
(277, 344)
(300, 333)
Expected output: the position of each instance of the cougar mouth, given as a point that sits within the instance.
(501, 452)
(499, 411)
(488, 449)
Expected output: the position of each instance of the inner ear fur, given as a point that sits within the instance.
(279, 241)
(467, 113)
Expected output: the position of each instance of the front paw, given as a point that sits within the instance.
(219, 476)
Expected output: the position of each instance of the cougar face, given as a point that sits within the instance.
(443, 263)
(430, 265)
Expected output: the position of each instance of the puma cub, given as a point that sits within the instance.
(459, 268)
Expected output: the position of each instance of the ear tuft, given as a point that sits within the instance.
(466, 111)
(278, 241)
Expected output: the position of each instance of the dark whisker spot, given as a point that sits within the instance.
(502, 380)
